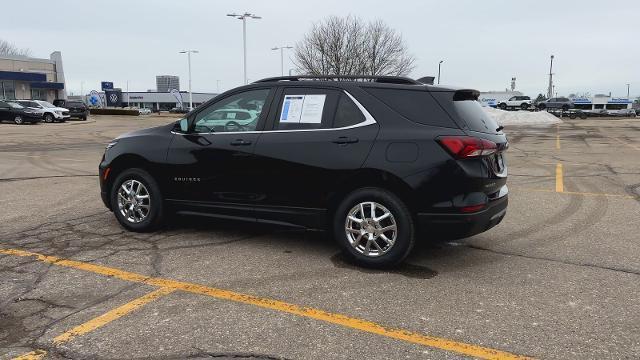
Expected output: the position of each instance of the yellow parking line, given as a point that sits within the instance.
(338, 319)
(581, 193)
(111, 315)
(559, 179)
(32, 355)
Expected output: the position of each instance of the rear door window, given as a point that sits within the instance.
(306, 108)
(418, 106)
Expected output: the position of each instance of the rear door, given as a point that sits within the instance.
(315, 139)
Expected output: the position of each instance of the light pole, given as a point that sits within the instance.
(244, 17)
(628, 86)
(440, 63)
(550, 90)
(281, 48)
(188, 52)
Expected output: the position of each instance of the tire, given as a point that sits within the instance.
(137, 219)
(84, 118)
(542, 106)
(18, 120)
(48, 118)
(524, 106)
(354, 244)
(565, 107)
(502, 106)
(583, 116)
(572, 116)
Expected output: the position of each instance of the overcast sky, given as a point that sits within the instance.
(483, 43)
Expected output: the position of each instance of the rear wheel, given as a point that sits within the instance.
(374, 228)
(48, 118)
(18, 120)
(136, 201)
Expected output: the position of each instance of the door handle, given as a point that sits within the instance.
(240, 142)
(342, 140)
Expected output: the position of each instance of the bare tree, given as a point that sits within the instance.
(7, 48)
(348, 46)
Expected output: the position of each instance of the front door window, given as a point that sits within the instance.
(239, 112)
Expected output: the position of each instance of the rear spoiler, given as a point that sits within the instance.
(466, 94)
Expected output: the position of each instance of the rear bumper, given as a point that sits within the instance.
(455, 226)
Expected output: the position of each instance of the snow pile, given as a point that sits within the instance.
(504, 118)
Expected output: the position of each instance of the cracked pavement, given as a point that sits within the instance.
(559, 278)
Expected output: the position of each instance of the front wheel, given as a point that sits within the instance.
(136, 201)
(503, 106)
(18, 120)
(374, 228)
(48, 118)
(524, 106)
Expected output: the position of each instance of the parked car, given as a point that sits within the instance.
(522, 102)
(556, 103)
(178, 110)
(373, 161)
(144, 111)
(77, 109)
(50, 112)
(622, 113)
(18, 114)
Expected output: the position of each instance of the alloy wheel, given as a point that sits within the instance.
(134, 201)
(371, 229)
(18, 120)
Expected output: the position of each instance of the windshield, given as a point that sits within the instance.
(15, 105)
(46, 104)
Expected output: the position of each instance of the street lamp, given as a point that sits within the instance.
(551, 86)
(281, 48)
(244, 17)
(440, 63)
(188, 52)
(628, 86)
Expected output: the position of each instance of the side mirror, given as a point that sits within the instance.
(182, 125)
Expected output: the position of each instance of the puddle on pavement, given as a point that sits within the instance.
(404, 269)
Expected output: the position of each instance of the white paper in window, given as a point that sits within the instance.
(292, 108)
(312, 109)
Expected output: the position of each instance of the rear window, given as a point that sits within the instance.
(464, 109)
(417, 106)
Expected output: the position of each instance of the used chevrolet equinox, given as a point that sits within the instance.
(374, 160)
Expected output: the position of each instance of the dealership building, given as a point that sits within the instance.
(163, 100)
(24, 77)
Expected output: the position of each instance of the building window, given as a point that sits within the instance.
(583, 106)
(7, 90)
(616, 106)
(598, 106)
(38, 94)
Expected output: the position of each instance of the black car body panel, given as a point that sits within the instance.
(366, 136)
(77, 109)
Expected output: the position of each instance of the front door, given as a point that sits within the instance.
(211, 166)
(315, 140)
(5, 111)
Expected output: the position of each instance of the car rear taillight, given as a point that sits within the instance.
(465, 147)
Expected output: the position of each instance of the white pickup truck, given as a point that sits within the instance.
(518, 101)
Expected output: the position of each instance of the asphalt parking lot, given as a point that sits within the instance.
(559, 278)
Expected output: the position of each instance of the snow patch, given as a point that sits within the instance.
(514, 118)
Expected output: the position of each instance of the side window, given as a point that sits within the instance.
(306, 108)
(239, 112)
(513, 98)
(347, 113)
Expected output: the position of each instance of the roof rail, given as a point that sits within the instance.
(362, 78)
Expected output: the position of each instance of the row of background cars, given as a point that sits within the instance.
(34, 111)
(561, 106)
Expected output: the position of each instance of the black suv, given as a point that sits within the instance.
(373, 159)
(77, 109)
